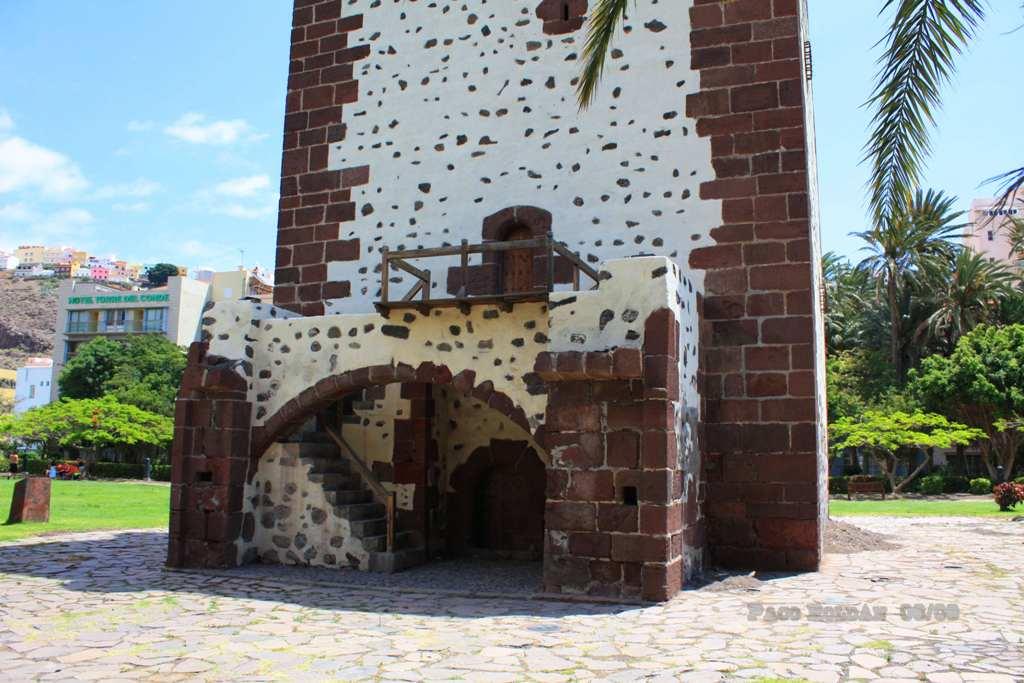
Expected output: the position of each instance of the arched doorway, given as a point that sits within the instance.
(464, 471)
(497, 503)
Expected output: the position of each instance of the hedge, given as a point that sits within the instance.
(104, 470)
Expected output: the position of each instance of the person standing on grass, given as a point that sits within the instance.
(52, 472)
(14, 464)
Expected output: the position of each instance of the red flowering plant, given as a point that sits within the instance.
(1008, 495)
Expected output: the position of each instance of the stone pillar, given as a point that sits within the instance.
(209, 462)
(414, 455)
(761, 337)
(614, 521)
(316, 201)
(30, 501)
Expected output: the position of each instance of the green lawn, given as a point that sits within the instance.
(919, 508)
(91, 505)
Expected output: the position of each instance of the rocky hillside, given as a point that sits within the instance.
(28, 314)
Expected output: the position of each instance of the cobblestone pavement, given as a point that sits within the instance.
(99, 607)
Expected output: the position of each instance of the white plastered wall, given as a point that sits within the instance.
(466, 109)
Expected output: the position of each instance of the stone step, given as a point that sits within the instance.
(396, 561)
(317, 438)
(348, 496)
(363, 528)
(328, 464)
(358, 511)
(335, 481)
(310, 450)
(404, 540)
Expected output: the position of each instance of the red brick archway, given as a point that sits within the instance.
(330, 389)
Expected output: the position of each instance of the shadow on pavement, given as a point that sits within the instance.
(133, 561)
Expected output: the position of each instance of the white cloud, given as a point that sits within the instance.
(6, 122)
(193, 127)
(15, 213)
(134, 207)
(140, 126)
(246, 198)
(243, 187)
(25, 165)
(246, 212)
(137, 188)
(24, 224)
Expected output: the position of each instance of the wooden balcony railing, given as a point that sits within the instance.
(419, 296)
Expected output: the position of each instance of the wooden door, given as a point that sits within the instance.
(509, 508)
(517, 265)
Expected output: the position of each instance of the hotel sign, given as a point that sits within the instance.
(119, 299)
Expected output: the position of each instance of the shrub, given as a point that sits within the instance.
(115, 470)
(932, 485)
(837, 485)
(981, 486)
(1019, 480)
(956, 484)
(1008, 495)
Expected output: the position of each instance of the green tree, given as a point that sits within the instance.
(86, 374)
(982, 384)
(142, 370)
(91, 424)
(858, 379)
(149, 374)
(914, 237)
(158, 274)
(894, 436)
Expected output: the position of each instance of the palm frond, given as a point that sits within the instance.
(1012, 187)
(924, 38)
(601, 27)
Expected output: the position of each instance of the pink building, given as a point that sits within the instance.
(97, 272)
(988, 232)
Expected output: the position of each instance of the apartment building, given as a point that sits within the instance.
(86, 310)
(989, 231)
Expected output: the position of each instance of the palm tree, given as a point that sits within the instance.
(914, 234)
(848, 305)
(923, 41)
(963, 297)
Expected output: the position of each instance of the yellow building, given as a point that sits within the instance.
(30, 253)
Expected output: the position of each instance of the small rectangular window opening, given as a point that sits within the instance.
(629, 496)
(991, 236)
(204, 477)
(565, 11)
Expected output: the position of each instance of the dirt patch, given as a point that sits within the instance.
(27, 319)
(845, 539)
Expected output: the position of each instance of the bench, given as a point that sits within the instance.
(865, 487)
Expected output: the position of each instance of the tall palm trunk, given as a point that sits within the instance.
(894, 332)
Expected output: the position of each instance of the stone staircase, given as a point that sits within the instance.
(353, 501)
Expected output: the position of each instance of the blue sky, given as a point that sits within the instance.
(151, 130)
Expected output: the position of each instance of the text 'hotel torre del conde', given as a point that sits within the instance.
(506, 328)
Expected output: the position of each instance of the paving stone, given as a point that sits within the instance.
(99, 606)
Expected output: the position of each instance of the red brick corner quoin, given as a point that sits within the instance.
(315, 202)
(759, 411)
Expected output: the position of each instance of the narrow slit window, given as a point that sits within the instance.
(629, 496)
